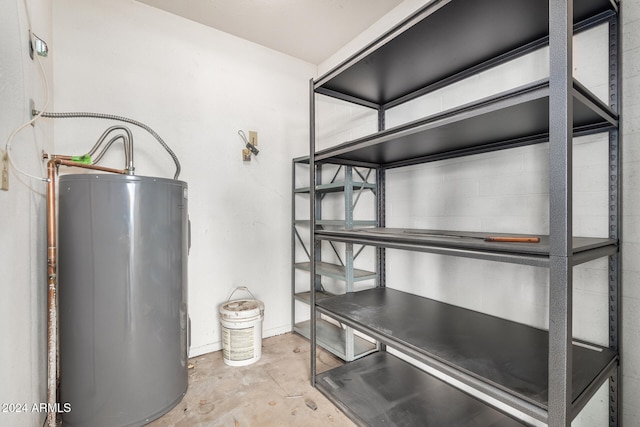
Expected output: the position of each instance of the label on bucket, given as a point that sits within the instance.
(237, 344)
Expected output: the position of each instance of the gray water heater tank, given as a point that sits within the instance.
(123, 247)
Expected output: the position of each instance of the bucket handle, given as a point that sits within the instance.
(240, 288)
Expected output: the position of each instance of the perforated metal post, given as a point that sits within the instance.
(381, 207)
(312, 221)
(615, 226)
(293, 244)
(560, 224)
(349, 265)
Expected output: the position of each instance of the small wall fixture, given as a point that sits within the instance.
(250, 144)
(37, 45)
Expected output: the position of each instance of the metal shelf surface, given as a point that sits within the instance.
(514, 118)
(382, 390)
(504, 354)
(306, 296)
(470, 244)
(337, 222)
(336, 271)
(417, 53)
(333, 338)
(337, 187)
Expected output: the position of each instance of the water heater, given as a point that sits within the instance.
(123, 247)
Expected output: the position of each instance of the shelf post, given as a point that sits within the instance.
(293, 244)
(560, 338)
(615, 216)
(381, 222)
(560, 212)
(312, 228)
(381, 212)
(349, 278)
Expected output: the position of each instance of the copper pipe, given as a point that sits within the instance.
(64, 162)
(56, 156)
(52, 267)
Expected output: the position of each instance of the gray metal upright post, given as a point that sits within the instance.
(560, 221)
(293, 244)
(615, 215)
(348, 256)
(381, 212)
(312, 227)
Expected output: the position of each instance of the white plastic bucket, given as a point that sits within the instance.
(241, 322)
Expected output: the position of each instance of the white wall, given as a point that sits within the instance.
(508, 192)
(196, 87)
(23, 280)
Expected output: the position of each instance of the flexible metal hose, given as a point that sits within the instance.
(95, 160)
(76, 115)
(128, 146)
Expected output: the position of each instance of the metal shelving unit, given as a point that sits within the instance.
(333, 336)
(544, 374)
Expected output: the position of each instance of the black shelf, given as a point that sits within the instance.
(510, 356)
(514, 118)
(418, 53)
(470, 244)
(382, 390)
(519, 366)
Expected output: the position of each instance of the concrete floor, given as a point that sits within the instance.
(271, 392)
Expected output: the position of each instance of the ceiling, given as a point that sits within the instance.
(311, 30)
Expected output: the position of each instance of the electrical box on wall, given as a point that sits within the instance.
(4, 170)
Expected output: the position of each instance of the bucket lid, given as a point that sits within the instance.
(242, 308)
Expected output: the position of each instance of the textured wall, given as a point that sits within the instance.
(196, 87)
(22, 223)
